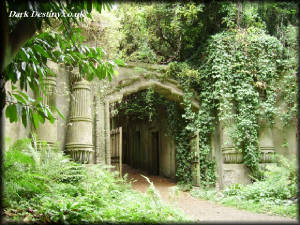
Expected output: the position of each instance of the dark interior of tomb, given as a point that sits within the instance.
(147, 145)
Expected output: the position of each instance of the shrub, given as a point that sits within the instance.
(46, 186)
(276, 193)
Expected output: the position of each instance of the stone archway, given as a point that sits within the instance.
(131, 79)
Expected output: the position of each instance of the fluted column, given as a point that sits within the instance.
(79, 137)
(47, 132)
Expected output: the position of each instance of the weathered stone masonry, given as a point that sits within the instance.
(89, 121)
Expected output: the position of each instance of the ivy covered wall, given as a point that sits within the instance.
(239, 59)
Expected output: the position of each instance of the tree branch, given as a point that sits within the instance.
(3, 35)
(24, 30)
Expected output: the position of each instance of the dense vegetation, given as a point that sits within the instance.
(46, 186)
(29, 42)
(240, 59)
(276, 194)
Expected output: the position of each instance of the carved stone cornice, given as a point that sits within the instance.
(232, 156)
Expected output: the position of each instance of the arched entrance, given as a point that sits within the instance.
(147, 142)
(144, 145)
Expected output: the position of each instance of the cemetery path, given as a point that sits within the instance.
(199, 210)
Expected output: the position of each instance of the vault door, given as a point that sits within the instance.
(116, 148)
(155, 154)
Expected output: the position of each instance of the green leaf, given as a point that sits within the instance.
(23, 95)
(23, 66)
(19, 98)
(24, 55)
(41, 116)
(50, 115)
(11, 113)
(35, 117)
(24, 117)
(120, 62)
(59, 113)
(43, 108)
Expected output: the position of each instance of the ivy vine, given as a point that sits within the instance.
(239, 86)
(240, 60)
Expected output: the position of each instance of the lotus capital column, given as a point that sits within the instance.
(79, 137)
(47, 132)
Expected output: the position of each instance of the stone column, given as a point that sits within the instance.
(47, 132)
(79, 137)
(100, 132)
(107, 134)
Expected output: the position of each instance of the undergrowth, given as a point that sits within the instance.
(46, 186)
(276, 194)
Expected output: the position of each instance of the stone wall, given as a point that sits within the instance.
(63, 97)
(229, 161)
(93, 122)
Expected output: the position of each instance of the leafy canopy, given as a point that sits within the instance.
(64, 45)
(240, 59)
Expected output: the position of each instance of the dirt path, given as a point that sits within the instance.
(199, 210)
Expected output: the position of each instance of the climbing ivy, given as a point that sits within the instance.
(246, 74)
(200, 121)
(238, 84)
(177, 125)
(239, 59)
(141, 106)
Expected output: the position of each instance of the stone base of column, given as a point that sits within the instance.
(82, 153)
(267, 155)
(231, 156)
(40, 144)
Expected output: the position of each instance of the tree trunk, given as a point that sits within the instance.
(4, 37)
(3, 49)
(2, 104)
